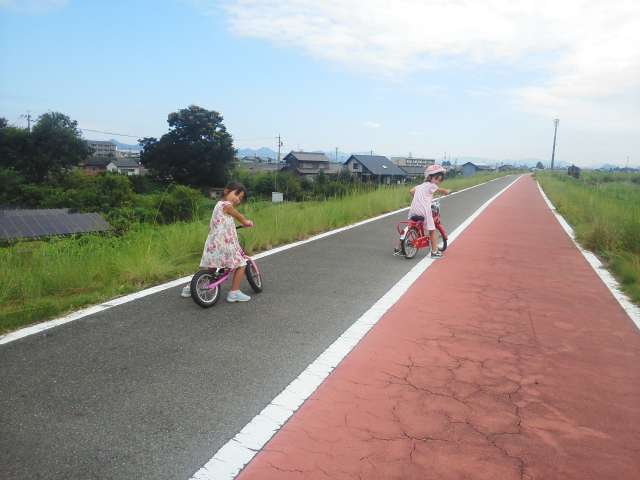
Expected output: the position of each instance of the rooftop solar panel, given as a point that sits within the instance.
(21, 224)
(46, 222)
(8, 229)
(30, 212)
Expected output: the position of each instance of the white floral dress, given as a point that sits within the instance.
(222, 249)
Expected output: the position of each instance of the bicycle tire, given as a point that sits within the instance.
(409, 250)
(254, 276)
(199, 280)
(442, 245)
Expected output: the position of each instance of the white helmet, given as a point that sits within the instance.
(433, 169)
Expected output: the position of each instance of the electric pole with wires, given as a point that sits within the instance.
(28, 117)
(275, 196)
(555, 132)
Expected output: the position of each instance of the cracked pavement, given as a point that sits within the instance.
(507, 359)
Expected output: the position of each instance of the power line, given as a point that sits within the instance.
(111, 133)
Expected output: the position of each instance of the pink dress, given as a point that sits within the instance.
(222, 249)
(421, 203)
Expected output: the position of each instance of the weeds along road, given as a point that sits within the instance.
(151, 389)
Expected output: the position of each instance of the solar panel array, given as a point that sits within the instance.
(43, 223)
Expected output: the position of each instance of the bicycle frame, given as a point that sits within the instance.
(228, 271)
(423, 240)
(403, 228)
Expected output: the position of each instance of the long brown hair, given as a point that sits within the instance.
(236, 187)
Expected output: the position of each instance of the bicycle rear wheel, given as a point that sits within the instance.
(254, 276)
(408, 243)
(201, 293)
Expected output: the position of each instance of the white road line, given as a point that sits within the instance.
(77, 315)
(227, 463)
(612, 284)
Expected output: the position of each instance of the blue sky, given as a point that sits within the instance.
(323, 75)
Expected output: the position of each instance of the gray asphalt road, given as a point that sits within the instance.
(151, 389)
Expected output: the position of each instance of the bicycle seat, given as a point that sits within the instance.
(417, 218)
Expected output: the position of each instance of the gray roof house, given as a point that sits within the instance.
(375, 168)
(97, 164)
(125, 166)
(308, 164)
(471, 168)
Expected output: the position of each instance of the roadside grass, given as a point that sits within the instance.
(604, 210)
(43, 279)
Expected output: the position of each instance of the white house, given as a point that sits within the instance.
(125, 166)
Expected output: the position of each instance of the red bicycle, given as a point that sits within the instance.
(412, 234)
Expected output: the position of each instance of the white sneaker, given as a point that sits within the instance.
(237, 297)
(186, 292)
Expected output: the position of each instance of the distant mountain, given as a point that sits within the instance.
(331, 155)
(259, 152)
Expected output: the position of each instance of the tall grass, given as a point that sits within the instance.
(42, 279)
(604, 210)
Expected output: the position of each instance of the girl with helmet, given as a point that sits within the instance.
(420, 209)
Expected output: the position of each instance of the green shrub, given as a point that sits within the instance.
(144, 184)
(179, 204)
(10, 185)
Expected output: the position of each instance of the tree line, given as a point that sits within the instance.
(196, 151)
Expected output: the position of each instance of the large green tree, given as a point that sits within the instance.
(54, 145)
(196, 151)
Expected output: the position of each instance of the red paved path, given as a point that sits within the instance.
(508, 359)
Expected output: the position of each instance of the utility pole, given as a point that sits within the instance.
(555, 132)
(28, 117)
(277, 163)
(336, 154)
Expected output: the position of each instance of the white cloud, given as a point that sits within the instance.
(590, 49)
(33, 6)
(370, 124)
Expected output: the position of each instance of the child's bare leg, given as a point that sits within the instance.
(433, 240)
(237, 278)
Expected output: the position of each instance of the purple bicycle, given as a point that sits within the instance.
(205, 284)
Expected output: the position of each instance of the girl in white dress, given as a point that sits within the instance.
(222, 248)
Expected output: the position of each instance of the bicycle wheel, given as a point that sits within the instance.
(408, 243)
(442, 242)
(254, 277)
(201, 294)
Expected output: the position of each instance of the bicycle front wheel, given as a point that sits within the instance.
(201, 293)
(408, 243)
(254, 276)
